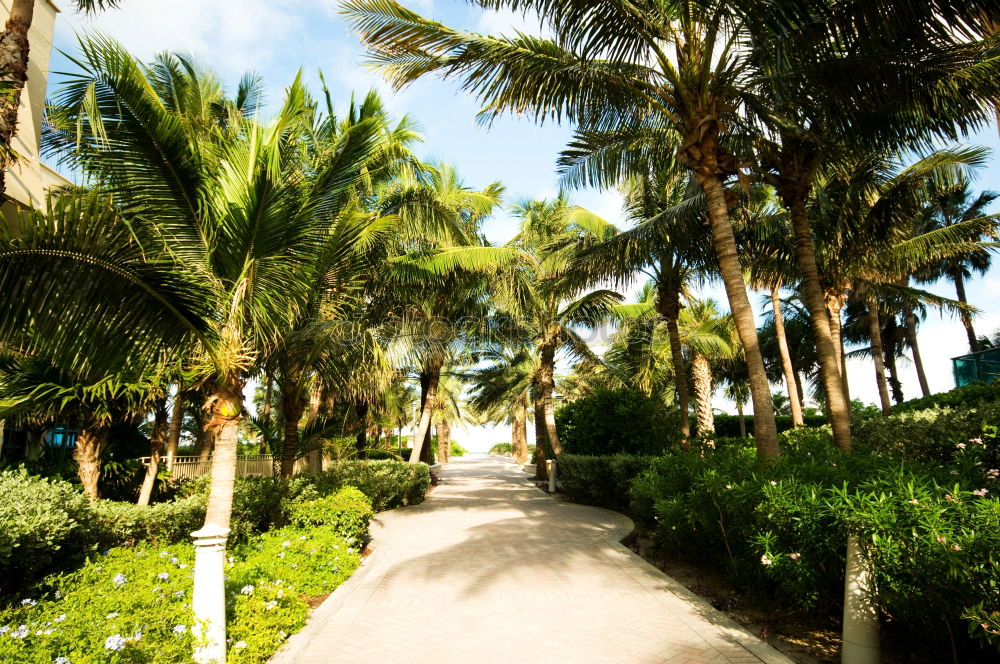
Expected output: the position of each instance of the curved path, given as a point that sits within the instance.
(491, 570)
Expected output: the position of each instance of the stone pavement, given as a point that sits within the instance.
(491, 570)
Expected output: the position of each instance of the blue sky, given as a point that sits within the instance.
(278, 37)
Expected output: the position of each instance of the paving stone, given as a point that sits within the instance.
(491, 570)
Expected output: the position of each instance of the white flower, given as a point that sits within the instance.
(180, 629)
(182, 566)
(4, 629)
(28, 602)
(111, 616)
(164, 554)
(246, 590)
(173, 560)
(61, 660)
(960, 446)
(773, 483)
(120, 579)
(795, 556)
(286, 544)
(115, 642)
(163, 576)
(271, 605)
(20, 632)
(62, 617)
(765, 560)
(58, 595)
(178, 593)
(136, 636)
(980, 492)
(240, 645)
(281, 555)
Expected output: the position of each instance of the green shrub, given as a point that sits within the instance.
(780, 530)
(613, 422)
(389, 484)
(42, 522)
(160, 523)
(347, 511)
(969, 396)
(502, 448)
(930, 435)
(600, 480)
(377, 455)
(729, 425)
(457, 450)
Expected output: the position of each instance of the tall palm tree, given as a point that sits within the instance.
(709, 336)
(951, 203)
(222, 230)
(609, 67)
(502, 391)
(549, 298)
(669, 242)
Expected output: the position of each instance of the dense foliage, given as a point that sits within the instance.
(600, 480)
(615, 421)
(729, 425)
(969, 396)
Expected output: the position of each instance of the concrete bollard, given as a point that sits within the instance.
(209, 596)
(550, 466)
(861, 634)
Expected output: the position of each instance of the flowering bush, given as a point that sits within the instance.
(134, 604)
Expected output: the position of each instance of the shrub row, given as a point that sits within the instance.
(969, 396)
(729, 425)
(48, 524)
(615, 421)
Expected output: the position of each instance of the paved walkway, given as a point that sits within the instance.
(490, 570)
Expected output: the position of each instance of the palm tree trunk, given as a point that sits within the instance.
(444, 440)
(519, 434)
(875, 331)
(838, 403)
(224, 411)
(156, 444)
(669, 305)
(834, 307)
(890, 345)
(970, 332)
(292, 407)
(701, 371)
(205, 442)
(265, 411)
(87, 454)
(910, 330)
(541, 441)
(14, 65)
(765, 428)
(176, 423)
(433, 377)
(743, 419)
(794, 400)
(361, 440)
(315, 399)
(546, 381)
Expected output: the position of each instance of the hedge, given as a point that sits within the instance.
(389, 484)
(969, 396)
(729, 425)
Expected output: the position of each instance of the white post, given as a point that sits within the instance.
(209, 597)
(861, 634)
(552, 475)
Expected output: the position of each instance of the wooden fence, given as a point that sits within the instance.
(246, 466)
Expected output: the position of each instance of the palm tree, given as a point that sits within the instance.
(610, 67)
(222, 230)
(951, 203)
(547, 297)
(709, 336)
(669, 242)
(502, 391)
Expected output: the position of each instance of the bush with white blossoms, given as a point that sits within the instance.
(133, 605)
